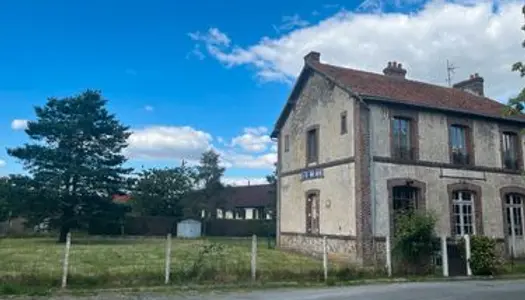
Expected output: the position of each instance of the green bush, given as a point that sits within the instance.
(415, 242)
(239, 228)
(483, 259)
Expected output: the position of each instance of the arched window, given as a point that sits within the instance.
(406, 196)
(465, 209)
(405, 201)
(312, 212)
(513, 207)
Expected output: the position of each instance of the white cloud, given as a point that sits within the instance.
(196, 52)
(168, 142)
(256, 130)
(221, 140)
(378, 5)
(241, 181)
(290, 23)
(264, 161)
(212, 36)
(148, 108)
(187, 143)
(253, 139)
(472, 36)
(2, 163)
(19, 124)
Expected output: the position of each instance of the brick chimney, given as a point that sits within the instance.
(395, 70)
(473, 85)
(313, 56)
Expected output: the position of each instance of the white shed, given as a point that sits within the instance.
(189, 228)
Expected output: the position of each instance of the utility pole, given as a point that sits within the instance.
(450, 71)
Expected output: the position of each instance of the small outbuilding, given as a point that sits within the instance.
(189, 228)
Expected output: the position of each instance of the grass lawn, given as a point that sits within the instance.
(126, 262)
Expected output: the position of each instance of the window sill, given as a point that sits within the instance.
(512, 170)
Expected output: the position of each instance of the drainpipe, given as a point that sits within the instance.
(372, 177)
(277, 213)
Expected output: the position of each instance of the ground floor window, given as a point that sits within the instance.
(312, 212)
(240, 213)
(463, 212)
(405, 201)
(514, 214)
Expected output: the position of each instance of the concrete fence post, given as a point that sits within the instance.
(65, 263)
(467, 254)
(444, 255)
(325, 259)
(254, 257)
(168, 260)
(388, 250)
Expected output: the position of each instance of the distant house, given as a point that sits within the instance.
(252, 202)
(121, 198)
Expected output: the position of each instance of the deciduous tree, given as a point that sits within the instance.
(272, 207)
(517, 104)
(209, 175)
(162, 192)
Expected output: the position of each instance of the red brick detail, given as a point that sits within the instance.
(363, 211)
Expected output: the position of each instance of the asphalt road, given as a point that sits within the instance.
(455, 290)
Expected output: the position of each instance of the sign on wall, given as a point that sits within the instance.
(311, 174)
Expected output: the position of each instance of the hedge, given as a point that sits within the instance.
(159, 226)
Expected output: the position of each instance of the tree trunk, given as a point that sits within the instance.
(64, 230)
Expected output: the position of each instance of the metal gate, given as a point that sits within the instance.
(457, 264)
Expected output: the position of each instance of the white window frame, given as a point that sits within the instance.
(510, 207)
(460, 202)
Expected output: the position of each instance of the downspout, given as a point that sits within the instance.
(278, 194)
(372, 178)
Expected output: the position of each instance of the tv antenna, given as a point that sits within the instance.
(450, 72)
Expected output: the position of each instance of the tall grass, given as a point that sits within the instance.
(37, 262)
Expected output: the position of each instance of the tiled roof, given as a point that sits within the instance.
(246, 196)
(394, 89)
(409, 91)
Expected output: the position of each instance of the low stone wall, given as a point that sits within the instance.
(380, 252)
(339, 248)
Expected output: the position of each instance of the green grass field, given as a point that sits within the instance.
(140, 262)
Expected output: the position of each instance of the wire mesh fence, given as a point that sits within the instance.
(134, 261)
(95, 261)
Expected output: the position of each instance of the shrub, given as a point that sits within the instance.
(207, 263)
(415, 242)
(483, 259)
(239, 228)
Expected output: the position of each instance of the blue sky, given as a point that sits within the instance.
(189, 75)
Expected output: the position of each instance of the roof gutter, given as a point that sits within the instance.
(442, 109)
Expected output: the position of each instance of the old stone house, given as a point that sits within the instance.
(355, 147)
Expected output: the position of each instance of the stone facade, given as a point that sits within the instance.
(317, 100)
(359, 170)
(321, 104)
(435, 170)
